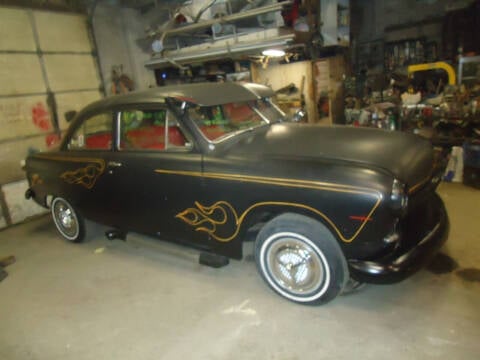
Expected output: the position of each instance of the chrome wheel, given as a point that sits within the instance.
(300, 259)
(295, 266)
(65, 219)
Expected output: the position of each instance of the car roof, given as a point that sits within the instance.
(204, 94)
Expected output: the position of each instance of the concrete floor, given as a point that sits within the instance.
(144, 299)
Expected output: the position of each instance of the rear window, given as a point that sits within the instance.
(154, 130)
(95, 133)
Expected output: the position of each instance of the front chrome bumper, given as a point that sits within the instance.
(407, 260)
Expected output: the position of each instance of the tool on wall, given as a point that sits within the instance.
(121, 83)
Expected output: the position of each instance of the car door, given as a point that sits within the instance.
(151, 149)
(84, 175)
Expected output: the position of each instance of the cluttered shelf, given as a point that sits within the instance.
(431, 105)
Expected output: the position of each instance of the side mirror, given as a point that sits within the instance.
(69, 115)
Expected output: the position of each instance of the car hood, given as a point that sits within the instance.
(408, 157)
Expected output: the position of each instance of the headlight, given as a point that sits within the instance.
(399, 197)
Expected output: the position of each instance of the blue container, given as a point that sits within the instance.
(471, 154)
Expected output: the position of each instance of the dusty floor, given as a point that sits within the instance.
(148, 300)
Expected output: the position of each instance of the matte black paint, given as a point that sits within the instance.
(280, 166)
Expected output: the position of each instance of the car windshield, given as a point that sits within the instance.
(219, 121)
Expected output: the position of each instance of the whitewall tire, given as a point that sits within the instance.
(67, 220)
(300, 259)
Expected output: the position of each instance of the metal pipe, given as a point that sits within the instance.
(9, 96)
(436, 65)
(202, 10)
(201, 55)
(36, 52)
(228, 18)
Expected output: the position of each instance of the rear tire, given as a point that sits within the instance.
(69, 223)
(300, 259)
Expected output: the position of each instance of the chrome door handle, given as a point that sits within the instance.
(114, 164)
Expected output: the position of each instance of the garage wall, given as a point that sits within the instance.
(45, 60)
(117, 31)
(377, 15)
(277, 76)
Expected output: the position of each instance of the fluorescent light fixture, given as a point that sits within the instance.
(273, 52)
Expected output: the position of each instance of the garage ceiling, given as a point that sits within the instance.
(84, 5)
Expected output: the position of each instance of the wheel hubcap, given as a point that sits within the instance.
(65, 216)
(65, 219)
(295, 266)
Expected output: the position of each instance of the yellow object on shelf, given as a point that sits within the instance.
(452, 78)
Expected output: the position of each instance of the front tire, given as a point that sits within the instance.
(300, 259)
(69, 223)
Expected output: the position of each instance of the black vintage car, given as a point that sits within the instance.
(208, 164)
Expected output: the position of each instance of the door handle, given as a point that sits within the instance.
(114, 164)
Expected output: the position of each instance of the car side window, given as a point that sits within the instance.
(154, 130)
(95, 133)
(219, 121)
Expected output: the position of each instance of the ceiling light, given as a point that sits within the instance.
(273, 52)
